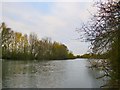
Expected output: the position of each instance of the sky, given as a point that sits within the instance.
(57, 20)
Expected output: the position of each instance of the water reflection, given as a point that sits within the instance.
(48, 74)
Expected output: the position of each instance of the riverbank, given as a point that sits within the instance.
(38, 59)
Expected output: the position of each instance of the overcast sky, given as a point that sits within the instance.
(57, 20)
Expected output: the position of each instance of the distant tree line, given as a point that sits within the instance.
(17, 46)
(92, 56)
(103, 31)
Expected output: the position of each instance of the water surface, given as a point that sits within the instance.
(49, 74)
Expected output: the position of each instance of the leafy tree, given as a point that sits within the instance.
(17, 46)
(6, 35)
(70, 55)
(59, 51)
(33, 44)
(0, 41)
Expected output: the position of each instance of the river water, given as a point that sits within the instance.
(49, 74)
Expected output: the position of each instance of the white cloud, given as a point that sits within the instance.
(48, 0)
(59, 23)
(0, 12)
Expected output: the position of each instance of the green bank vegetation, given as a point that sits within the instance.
(103, 31)
(92, 56)
(17, 46)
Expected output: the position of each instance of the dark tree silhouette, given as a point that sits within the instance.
(103, 31)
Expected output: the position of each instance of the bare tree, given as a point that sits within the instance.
(103, 31)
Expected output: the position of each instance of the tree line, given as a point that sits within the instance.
(103, 31)
(92, 56)
(17, 46)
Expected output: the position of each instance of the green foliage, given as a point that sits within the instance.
(86, 56)
(71, 56)
(93, 56)
(17, 46)
(77, 56)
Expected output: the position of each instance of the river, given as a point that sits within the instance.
(49, 74)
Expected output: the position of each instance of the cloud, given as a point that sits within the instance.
(59, 22)
(0, 12)
(49, 0)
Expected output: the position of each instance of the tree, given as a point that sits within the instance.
(46, 48)
(70, 55)
(6, 35)
(0, 56)
(17, 46)
(103, 32)
(59, 51)
(33, 45)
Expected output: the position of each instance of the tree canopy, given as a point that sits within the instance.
(16, 46)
